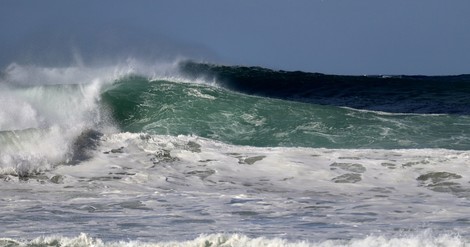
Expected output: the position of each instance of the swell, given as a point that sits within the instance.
(398, 94)
(174, 108)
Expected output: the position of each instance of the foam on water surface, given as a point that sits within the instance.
(425, 238)
(138, 184)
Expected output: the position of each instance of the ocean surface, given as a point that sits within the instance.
(197, 154)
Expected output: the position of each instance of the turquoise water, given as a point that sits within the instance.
(174, 108)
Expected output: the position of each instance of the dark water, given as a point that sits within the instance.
(398, 94)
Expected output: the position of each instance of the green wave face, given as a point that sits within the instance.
(172, 108)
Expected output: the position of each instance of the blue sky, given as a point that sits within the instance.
(330, 36)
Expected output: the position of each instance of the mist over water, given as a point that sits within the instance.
(94, 41)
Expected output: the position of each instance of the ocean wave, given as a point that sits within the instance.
(46, 110)
(141, 150)
(168, 107)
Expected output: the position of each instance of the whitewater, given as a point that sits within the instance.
(194, 154)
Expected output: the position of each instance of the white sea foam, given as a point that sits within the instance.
(39, 128)
(424, 239)
(39, 122)
(383, 113)
(143, 184)
(44, 109)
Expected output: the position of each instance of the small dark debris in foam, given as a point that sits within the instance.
(205, 161)
(318, 207)
(357, 168)
(245, 213)
(242, 200)
(349, 158)
(90, 208)
(163, 156)
(26, 176)
(437, 177)
(251, 160)
(173, 180)
(466, 220)
(104, 178)
(210, 181)
(23, 177)
(403, 230)
(145, 137)
(133, 205)
(115, 151)
(382, 190)
(225, 181)
(110, 178)
(441, 182)
(57, 179)
(202, 174)
(122, 173)
(410, 164)
(118, 150)
(449, 187)
(348, 178)
(193, 147)
(5, 178)
(389, 165)
(381, 196)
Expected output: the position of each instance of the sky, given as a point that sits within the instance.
(430, 37)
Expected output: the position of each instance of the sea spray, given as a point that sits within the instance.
(45, 109)
(39, 122)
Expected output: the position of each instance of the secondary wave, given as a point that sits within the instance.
(235, 240)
